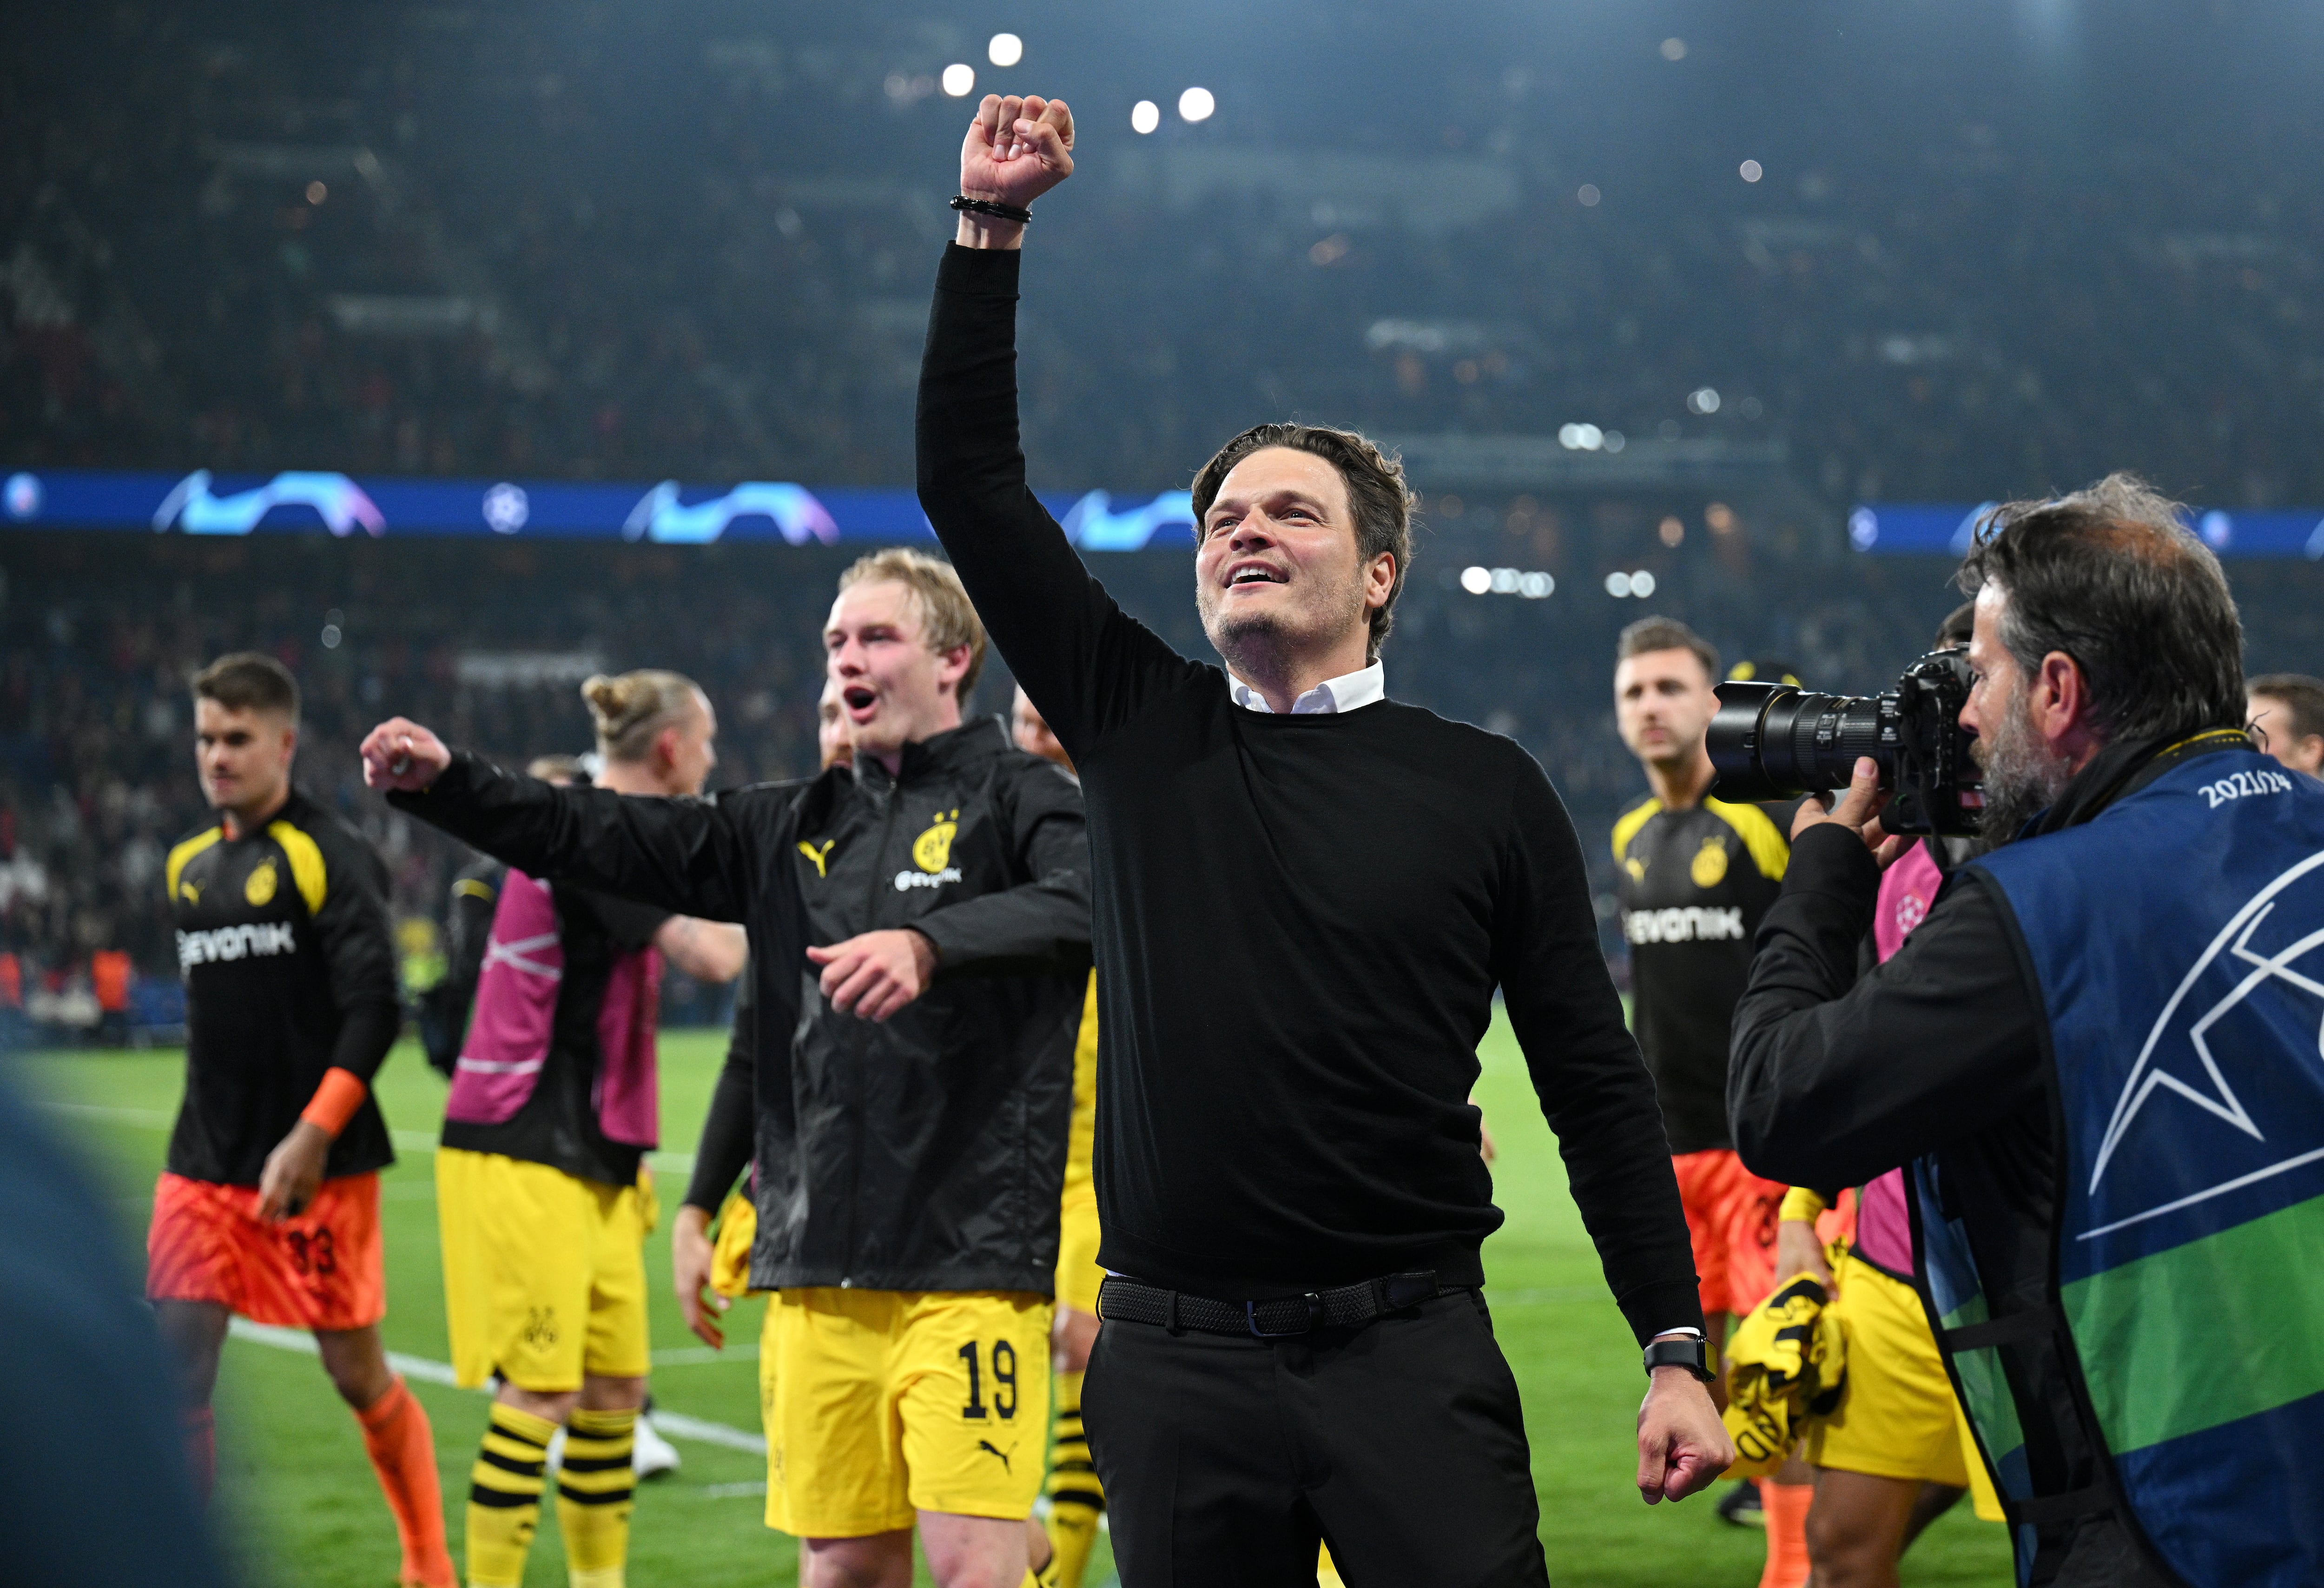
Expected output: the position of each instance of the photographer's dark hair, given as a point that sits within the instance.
(1377, 495)
(2301, 697)
(2112, 576)
(1666, 633)
(245, 680)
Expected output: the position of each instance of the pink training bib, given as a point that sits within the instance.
(516, 1007)
(1884, 1224)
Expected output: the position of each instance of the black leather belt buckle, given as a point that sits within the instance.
(1314, 1317)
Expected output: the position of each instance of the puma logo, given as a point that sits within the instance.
(988, 1446)
(818, 856)
(192, 892)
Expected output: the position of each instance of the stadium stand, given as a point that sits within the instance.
(426, 239)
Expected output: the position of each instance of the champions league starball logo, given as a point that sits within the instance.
(2256, 992)
(341, 504)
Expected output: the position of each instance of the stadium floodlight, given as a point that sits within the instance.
(1703, 400)
(1477, 581)
(1617, 584)
(1197, 104)
(1006, 50)
(959, 78)
(1536, 585)
(1642, 583)
(1752, 171)
(1587, 195)
(1145, 116)
(1505, 581)
(1674, 49)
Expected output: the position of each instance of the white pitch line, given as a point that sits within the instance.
(703, 1356)
(675, 1425)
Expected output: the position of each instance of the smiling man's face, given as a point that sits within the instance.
(1278, 571)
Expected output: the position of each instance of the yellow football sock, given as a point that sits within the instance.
(505, 1496)
(593, 1496)
(1076, 1498)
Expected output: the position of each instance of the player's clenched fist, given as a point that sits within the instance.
(400, 753)
(1016, 151)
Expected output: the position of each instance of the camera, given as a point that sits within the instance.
(1777, 742)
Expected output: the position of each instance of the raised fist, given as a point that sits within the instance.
(400, 753)
(1016, 149)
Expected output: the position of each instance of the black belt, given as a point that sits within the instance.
(1347, 1307)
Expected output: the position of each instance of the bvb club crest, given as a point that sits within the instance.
(260, 889)
(932, 850)
(1710, 865)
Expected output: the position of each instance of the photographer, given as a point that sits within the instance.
(2109, 1238)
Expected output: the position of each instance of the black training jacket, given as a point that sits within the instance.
(289, 968)
(925, 1154)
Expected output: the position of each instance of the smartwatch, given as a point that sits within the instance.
(1687, 1352)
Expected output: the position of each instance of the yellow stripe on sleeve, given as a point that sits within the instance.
(1770, 851)
(1628, 827)
(307, 868)
(184, 853)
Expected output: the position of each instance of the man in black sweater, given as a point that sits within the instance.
(1304, 897)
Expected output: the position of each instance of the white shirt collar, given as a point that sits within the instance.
(1344, 693)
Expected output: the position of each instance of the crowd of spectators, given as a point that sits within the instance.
(444, 239)
(488, 641)
(437, 238)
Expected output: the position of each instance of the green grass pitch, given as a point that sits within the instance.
(299, 1506)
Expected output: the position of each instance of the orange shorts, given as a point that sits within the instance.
(1731, 1216)
(323, 1269)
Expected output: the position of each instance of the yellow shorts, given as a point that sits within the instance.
(880, 1404)
(1898, 1417)
(1078, 1275)
(544, 1272)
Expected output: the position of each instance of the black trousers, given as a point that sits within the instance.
(1226, 1459)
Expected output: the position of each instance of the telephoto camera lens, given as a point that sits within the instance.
(1775, 741)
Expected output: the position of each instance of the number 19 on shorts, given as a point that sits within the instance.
(1003, 1360)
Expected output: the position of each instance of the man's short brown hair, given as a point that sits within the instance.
(1666, 633)
(1377, 497)
(2302, 698)
(245, 680)
(947, 616)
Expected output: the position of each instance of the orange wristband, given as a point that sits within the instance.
(334, 1101)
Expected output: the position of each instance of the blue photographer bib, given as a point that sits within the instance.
(2178, 940)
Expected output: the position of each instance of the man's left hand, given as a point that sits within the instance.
(1682, 1446)
(1858, 810)
(293, 1172)
(876, 973)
